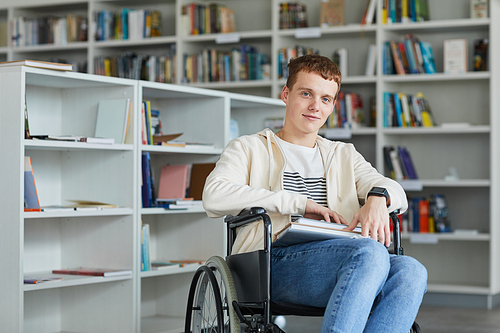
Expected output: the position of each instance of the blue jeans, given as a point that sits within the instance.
(362, 286)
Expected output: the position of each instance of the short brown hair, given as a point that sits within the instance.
(313, 63)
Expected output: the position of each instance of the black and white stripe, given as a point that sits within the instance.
(313, 188)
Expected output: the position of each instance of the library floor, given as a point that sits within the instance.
(430, 319)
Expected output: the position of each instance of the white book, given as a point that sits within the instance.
(112, 119)
(455, 56)
(303, 230)
(371, 60)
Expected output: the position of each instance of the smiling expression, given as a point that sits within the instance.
(308, 103)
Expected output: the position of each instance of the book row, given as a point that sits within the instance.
(399, 163)
(292, 15)
(48, 30)
(198, 19)
(130, 65)
(127, 24)
(407, 110)
(411, 56)
(427, 215)
(240, 64)
(285, 54)
(404, 11)
(180, 186)
(348, 112)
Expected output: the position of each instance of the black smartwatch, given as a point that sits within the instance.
(379, 192)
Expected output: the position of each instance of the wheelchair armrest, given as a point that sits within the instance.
(247, 215)
(396, 233)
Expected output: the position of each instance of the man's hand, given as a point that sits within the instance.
(374, 220)
(318, 212)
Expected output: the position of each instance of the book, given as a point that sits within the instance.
(369, 12)
(38, 64)
(455, 56)
(421, 10)
(303, 230)
(105, 272)
(428, 58)
(146, 248)
(331, 13)
(113, 119)
(38, 280)
(31, 202)
(148, 198)
(173, 182)
(480, 57)
(478, 9)
(340, 59)
(199, 174)
(371, 60)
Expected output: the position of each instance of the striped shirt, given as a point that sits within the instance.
(304, 172)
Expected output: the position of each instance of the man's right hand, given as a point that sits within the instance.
(317, 212)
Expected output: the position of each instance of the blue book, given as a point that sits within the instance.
(31, 202)
(398, 109)
(147, 195)
(428, 58)
(415, 209)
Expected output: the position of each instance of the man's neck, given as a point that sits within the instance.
(301, 139)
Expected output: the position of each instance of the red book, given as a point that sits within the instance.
(424, 216)
(173, 181)
(106, 272)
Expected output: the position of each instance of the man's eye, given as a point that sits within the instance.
(305, 94)
(326, 100)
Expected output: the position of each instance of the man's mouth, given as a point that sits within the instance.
(310, 117)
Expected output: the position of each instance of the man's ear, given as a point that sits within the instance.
(284, 94)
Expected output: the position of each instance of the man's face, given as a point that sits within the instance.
(309, 102)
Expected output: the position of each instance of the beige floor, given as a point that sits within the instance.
(430, 319)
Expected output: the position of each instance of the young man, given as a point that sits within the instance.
(297, 172)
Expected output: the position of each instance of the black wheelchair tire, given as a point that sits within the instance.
(215, 279)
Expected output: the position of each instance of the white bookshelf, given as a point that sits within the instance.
(472, 150)
(39, 242)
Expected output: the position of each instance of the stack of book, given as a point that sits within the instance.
(407, 110)
(130, 65)
(293, 15)
(411, 56)
(198, 19)
(127, 24)
(242, 63)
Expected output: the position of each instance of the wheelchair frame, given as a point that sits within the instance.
(237, 276)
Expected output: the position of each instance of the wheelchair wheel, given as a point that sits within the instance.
(212, 292)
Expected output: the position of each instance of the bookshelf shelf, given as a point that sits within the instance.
(70, 281)
(162, 211)
(452, 236)
(135, 43)
(183, 150)
(439, 25)
(62, 145)
(459, 128)
(170, 271)
(437, 77)
(82, 213)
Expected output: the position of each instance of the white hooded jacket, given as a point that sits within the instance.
(249, 173)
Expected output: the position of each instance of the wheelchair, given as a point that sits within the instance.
(234, 295)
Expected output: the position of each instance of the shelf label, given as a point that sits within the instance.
(232, 37)
(411, 185)
(313, 32)
(424, 238)
(337, 133)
